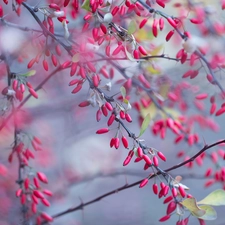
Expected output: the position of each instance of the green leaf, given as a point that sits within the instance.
(191, 205)
(86, 5)
(145, 124)
(131, 27)
(76, 58)
(214, 198)
(29, 73)
(123, 91)
(210, 213)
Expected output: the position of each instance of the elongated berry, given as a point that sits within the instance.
(212, 108)
(128, 118)
(77, 89)
(122, 115)
(161, 23)
(95, 80)
(142, 50)
(143, 183)
(160, 3)
(117, 143)
(137, 159)
(125, 142)
(169, 35)
(33, 93)
(98, 115)
(38, 194)
(208, 172)
(171, 22)
(19, 192)
(174, 192)
(34, 207)
(112, 142)
(196, 20)
(143, 22)
(66, 2)
(155, 188)
(220, 111)
(140, 152)
(54, 6)
(46, 217)
(26, 183)
(136, 54)
(47, 192)
(164, 218)
(36, 182)
(165, 190)
(108, 106)
(102, 131)
(84, 104)
(31, 63)
(161, 156)
(155, 161)
(54, 60)
(111, 119)
(201, 96)
(45, 202)
(15, 85)
(171, 207)
(182, 191)
(104, 110)
(103, 28)
(45, 65)
(147, 159)
(115, 10)
(155, 27)
(23, 199)
(168, 199)
(42, 177)
(127, 161)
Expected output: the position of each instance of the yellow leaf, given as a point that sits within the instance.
(173, 112)
(152, 70)
(210, 213)
(164, 89)
(191, 205)
(216, 198)
(151, 110)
